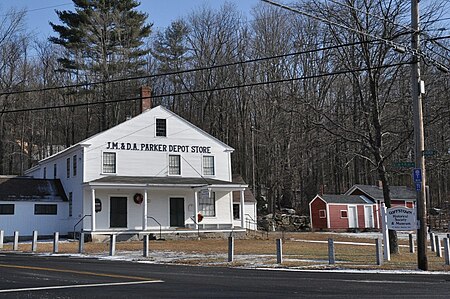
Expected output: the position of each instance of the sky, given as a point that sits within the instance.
(161, 12)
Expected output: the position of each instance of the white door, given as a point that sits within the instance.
(368, 217)
(352, 217)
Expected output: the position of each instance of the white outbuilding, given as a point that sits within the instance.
(154, 172)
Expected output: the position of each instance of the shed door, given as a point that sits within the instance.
(177, 211)
(352, 217)
(118, 212)
(368, 217)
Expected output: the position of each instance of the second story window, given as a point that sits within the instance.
(68, 167)
(45, 172)
(161, 127)
(54, 171)
(208, 165)
(174, 164)
(74, 165)
(109, 163)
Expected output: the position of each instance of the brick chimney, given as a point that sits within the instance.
(146, 100)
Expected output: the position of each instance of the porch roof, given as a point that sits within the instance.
(165, 182)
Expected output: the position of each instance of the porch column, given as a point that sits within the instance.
(242, 209)
(93, 210)
(144, 211)
(196, 208)
(231, 210)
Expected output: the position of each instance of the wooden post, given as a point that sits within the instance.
(447, 251)
(56, 242)
(279, 251)
(16, 241)
(34, 241)
(378, 251)
(2, 236)
(432, 241)
(230, 249)
(411, 243)
(331, 255)
(81, 243)
(145, 245)
(112, 245)
(438, 246)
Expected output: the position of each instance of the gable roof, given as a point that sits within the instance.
(144, 114)
(376, 193)
(345, 199)
(31, 189)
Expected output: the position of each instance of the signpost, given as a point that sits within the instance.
(417, 175)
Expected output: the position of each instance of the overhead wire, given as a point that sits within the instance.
(178, 72)
(338, 72)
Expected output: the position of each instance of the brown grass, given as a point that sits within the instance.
(297, 252)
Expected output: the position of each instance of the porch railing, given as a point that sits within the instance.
(74, 236)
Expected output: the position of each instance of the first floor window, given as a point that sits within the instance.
(208, 165)
(70, 203)
(207, 205)
(174, 164)
(322, 214)
(45, 209)
(109, 162)
(236, 211)
(343, 213)
(6, 209)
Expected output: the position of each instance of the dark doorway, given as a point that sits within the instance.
(177, 211)
(118, 212)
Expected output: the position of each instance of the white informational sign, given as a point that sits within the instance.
(401, 218)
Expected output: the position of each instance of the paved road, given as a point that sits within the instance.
(28, 276)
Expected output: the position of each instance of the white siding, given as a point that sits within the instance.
(25, 222)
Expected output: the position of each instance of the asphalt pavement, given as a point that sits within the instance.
(34, 276)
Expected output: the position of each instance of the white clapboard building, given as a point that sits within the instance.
(153, 172)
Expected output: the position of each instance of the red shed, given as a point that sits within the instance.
(342, 212)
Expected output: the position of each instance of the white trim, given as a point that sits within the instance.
(356, 215)
(328, 216)
(324, 213)
(370, 216)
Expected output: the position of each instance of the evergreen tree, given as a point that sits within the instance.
(103, 40)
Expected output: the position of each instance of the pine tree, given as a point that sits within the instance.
(103, 40)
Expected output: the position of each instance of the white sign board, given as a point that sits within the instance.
(401, 218)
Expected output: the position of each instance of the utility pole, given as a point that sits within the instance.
(416, 84)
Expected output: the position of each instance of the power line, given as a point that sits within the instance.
(339, 72)
(183, 71)
(395, 45)
(37, 9)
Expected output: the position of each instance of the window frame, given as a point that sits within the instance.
(74, 165)
(47, 209)
(158, 129)
(344, 213)
(70, 204)
(55, 170)
(4, 206)
(209, 168)
(205, 207)
(68, 167)
(45, 173)
(238, 211)
(114, 165)
(324, 215)
(170, 167)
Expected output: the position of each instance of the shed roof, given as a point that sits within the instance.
(31, 189)
(346, 199)
(376, 193)
(248, 194)
(163, 181)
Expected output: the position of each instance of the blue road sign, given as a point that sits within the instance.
(417, 174)
(418, 186)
